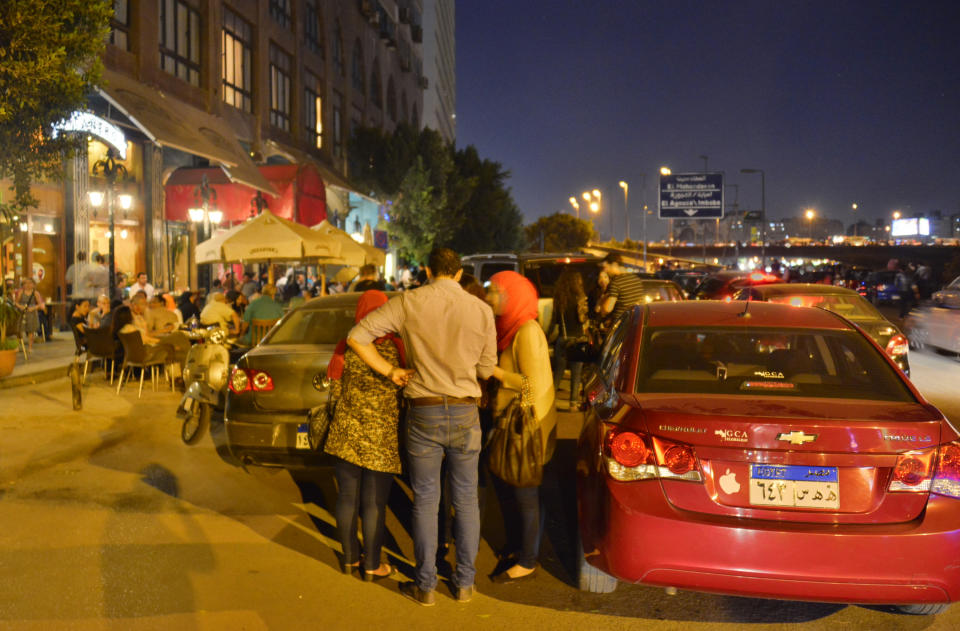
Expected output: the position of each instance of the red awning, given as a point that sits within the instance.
(301, 195)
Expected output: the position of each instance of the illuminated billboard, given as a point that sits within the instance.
(910, 227)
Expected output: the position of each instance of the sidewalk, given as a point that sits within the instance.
(49, 360)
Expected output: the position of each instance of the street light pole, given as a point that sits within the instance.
(626, 210)
(643, 206)
(576, 206)
(109, 169)
(853, 211)
(763, 214)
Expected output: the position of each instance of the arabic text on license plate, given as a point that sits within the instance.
(794, 485)
(303, 436)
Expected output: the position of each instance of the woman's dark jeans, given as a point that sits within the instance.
(560, 365)
(522, 521)
(362, 493)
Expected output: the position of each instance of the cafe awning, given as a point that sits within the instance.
(299, 196)
(172, 123)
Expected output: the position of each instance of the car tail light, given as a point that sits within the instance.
(262, 382)
(727, 298)
(881, 287)
(913, 471)
(632, 455)
(946, 479)
(239, 382)
(898, 346)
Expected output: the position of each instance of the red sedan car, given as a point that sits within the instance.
(765, 450)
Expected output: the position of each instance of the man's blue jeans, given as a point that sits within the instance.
(435, 432)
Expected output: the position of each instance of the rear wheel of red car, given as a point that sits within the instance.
(923, 610)
(590, 578)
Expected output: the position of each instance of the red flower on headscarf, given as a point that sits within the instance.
(518, 305)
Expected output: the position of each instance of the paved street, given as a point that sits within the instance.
(109, 522)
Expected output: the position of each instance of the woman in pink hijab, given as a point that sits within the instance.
(524, 357)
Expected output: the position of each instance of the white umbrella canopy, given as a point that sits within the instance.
(354, 253)
(269, 238)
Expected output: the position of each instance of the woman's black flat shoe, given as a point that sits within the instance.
(503, 578)
(370, 577)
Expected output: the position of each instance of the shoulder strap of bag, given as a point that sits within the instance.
(526, 391)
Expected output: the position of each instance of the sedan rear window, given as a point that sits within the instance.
(314, 326)
(852, 307)
(767, 361)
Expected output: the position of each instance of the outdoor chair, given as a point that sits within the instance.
(102, 346)
(259, 328)
(136, 354)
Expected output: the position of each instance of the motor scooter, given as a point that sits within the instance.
(205, 382)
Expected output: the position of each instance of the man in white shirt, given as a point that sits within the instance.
(141, 285)
(219, 312)
(77, 277)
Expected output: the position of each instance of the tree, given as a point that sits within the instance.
(420, 217)
(49, 62)
(560, 233)
(491, 220)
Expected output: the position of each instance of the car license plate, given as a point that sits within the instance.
(303, 436)
(794, 485)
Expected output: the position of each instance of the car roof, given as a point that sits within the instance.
(708, 313)
(807, 289)
(346, 299)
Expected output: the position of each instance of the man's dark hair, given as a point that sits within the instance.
(368, 270)
(139, 274)
(612, 258)
(81, 256)
(248, 275)
(444, 262)
(216, 282)
(100, 259)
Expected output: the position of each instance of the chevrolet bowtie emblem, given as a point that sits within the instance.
(797, 438)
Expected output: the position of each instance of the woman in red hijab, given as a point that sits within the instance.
(524, 357)
(363, 438)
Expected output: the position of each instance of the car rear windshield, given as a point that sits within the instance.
(544, 274)
(314, 326)
(767, 361)
(708, 287)
(850, 307)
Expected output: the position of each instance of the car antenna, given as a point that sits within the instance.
(744, 314)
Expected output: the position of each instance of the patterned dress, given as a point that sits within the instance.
(364, 427)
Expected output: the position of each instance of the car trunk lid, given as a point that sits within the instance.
(298, 372)
(808, 460)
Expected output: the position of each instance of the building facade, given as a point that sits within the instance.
(235, 85)
(440, 68)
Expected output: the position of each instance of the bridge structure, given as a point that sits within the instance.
(938, 257)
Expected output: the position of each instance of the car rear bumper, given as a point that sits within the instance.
(270, 440)
(912, 562)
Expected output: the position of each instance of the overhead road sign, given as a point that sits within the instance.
(691, 196)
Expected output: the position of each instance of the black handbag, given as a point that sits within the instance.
(318, 425)
(515, 445)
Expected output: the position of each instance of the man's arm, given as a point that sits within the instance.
(607, 304)
(387, 319)
(487, 365)
(372, 357)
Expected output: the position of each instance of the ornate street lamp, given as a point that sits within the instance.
(205, 213)
(112, 171)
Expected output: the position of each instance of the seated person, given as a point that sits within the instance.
(160, 320)
(218, 312)
(78, 320)
(262, 308)
(176, 341)
(123, 322)
(101, 315)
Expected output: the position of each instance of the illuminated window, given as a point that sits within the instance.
(180, 40)
(237, 61)
(279, 88)
(313, 110)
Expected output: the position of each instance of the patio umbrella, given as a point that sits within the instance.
(357, 253)
(268, 238)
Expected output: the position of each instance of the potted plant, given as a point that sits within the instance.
(9, 317)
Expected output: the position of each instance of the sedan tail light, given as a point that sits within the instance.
(898, 346)
(631, 455)
(244, 380)
(946, 480)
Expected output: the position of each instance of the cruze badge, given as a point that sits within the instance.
(797, 438)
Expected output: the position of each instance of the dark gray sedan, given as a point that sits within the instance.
(845, 302)
(274, 385)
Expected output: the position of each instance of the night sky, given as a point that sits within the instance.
(838, 102)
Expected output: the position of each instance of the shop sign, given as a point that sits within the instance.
(89, 123)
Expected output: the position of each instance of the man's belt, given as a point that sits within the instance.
(421, 401)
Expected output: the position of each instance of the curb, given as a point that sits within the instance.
(31, 378)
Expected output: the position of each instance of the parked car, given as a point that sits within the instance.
(880, 288)
(688, 281)
(722, 285)
(762, 450)
(273, 386)
(845, 302)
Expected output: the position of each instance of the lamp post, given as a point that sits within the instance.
(665, 170)
(594, 201)
(736, 206)
(643, 227)
(205, 213)
(763, 214)
(810, 214)
(626, 211)
(109, 169)
(853, 211)
(576, 206)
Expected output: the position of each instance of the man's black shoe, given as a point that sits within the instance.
(417, 595)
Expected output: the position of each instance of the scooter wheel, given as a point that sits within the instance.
(195, 425)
